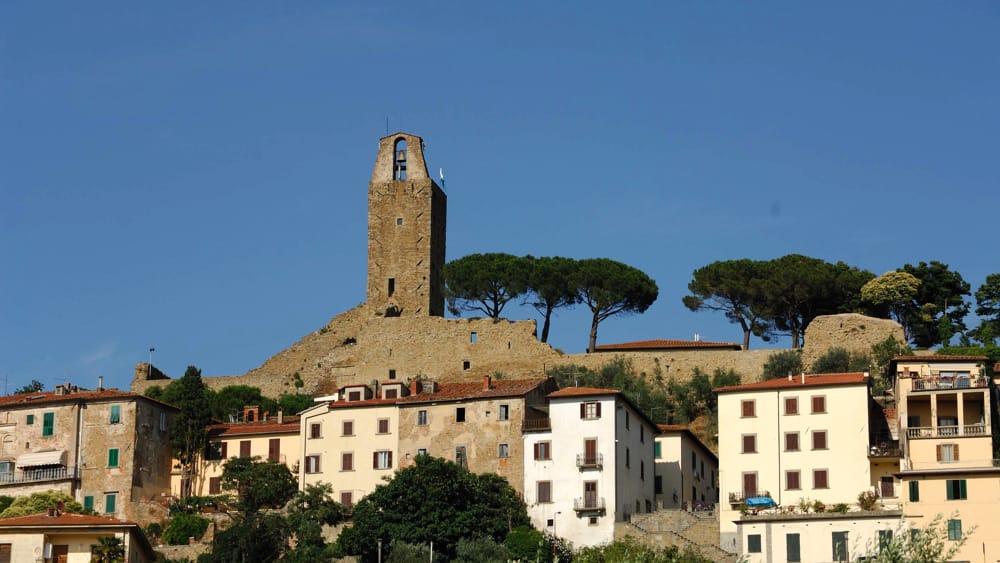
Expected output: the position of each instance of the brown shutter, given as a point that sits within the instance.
(223, 450)
(374, 460)
(274, 449)
(956, 452)
(598, 410)
(390, 460)
(583, 410)
(938, 448)
(536, 451)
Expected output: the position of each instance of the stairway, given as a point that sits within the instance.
(678, 528)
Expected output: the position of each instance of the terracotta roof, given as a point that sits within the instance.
(583, 392)
(289, 424)
(821, 380)
(342, 404)
(474, 390)
(666, 345)
(64, 519)
(44, 397)
(932, 359)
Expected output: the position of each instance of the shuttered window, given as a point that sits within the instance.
(749, 409)
(88, 502)
(955, 489)
(274, 449)
(914, 491)
(116, 414)
(544, 489)
(214, 485)
(819, 439)
(48, 423)
(113, 457)
(793, 550)
(819, 404)
(110, 502)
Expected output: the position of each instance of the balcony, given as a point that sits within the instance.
(537, 424)
(38, 475)
(947, 431)
(938, 383)
(588, 504)
(741, 497)
(883, 446)
(594, 461)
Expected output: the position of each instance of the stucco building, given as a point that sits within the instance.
(108, 449)
(68, 538)
(686, 470)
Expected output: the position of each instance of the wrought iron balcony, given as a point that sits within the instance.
(588, 503)
(937, 383)
(883, 446)
(39, 474)
(741, 497)
(584, 461)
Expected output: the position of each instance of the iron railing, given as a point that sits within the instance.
(588, 503)
(35, 475)
(585, 461)
(936, 383)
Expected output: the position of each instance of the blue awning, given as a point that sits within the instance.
(761, 502)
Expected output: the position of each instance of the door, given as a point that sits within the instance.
(590, 451)
(60, 553)
(749, 485)
(590, 494)
(886, 488)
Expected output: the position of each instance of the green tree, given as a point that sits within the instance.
(188, 437)
(732, 287)
(258, 484)
(930, 544)
(939, 307)
(108, 549)
(610, 288)
(480, 550)
(292, 403)
(783, 364)
(307, 513)
(230, 400)
(485, 282)
(184, 526)
(34, 387)
(840, 360)
(629, 549)
(891, 291)
(40, 502)
(550, 284)
(433, 500)
(988, 309)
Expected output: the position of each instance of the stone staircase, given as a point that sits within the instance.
(678, 528)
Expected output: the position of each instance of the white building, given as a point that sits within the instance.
(590, 467)
(686, 470)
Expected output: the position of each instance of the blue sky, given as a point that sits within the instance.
(194, 177)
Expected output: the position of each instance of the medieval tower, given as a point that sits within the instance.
(406, 232)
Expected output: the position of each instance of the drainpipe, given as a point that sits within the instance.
(777, 414)
(78, 477)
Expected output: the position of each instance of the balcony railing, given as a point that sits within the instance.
(947, 431)
(587, 503)
(35, 475)
(544, 423)
(741, 497)
(935, 383)
(584, 461)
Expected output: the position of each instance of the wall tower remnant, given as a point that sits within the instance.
(406, 232)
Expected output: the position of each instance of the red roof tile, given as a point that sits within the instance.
(462, 391)
(583, 392)
(821, 380)
(665, 345)
(290, 424)
(342, 404)
(935, 358)
(64, 519)
(45, 397)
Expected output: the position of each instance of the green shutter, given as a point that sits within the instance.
(48, 423)
(914, 491)
(109, 503)
(884, 539)
(792, 549)
(88, 503)
(30, 420)
(656, 450)
(113, 457)
(753, 543)
(840, 546)
(954, 530)
(116, 414)
(961, 489)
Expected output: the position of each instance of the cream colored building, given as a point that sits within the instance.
(815, 538)
(271, 438)
(949, 468)
(109, 449)
(68, 538)
(686, 470)
(804, 437)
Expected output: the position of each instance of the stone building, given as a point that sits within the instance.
(108, 449)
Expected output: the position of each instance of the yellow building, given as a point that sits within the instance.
(68, 538)
(946, 411)
(686, 470)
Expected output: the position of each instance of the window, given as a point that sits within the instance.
(399, 220)
(819, 404)
(392, 281)
(274, 449)
(793, 549)
(504, 412)
(954, 530)
(347, 461)
(421, 451)
(215, 451)
(88, 502)
(503, 450)
(593, 520)
(694, 461)
(955, 489)
(244, 448)
(544, 491)
(543, 451)
(460, 414)
(750, 484)
(792, 407)
(392, 374)
(390, 393)
(792, 442)
(626, 420)
(113, 457)
(383, 426)
(312, 463)
(110, 500)
(116, 414)
(461, 459)
(914, 491)
(947, 453)
(840, 546)
(163, 422)
(347, 498)
(749, 444)
(214, 485)
(884, 539)
(820, 479)
(657, 484)
(749, 409)
(421, 417)
(642, 434)
(627, 458)
(753, 543)
(466, 365)
(347, 428)
(657, 452)
(382, 460)
(819, 439)
(48, 423)
(354, 396)
(590, 410)
(30, 419)
(792, 481)
(642, 469)
(473, 337)
(315, 430)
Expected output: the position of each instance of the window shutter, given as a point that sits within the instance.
(389, 465)
(955, 449)
(598, 410)
(938, 447)
(223, 450)
(792, 547)
(961, 486)
(583, 410)
(536, 451)
(375, 460)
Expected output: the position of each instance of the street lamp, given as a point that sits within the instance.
(149, 370)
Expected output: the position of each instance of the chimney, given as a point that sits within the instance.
(414, 387)
(789, 378)
(487, 383)
(803, 378)
(281, 415)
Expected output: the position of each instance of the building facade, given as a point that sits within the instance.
(686, 470)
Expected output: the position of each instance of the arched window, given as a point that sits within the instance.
(399, 160)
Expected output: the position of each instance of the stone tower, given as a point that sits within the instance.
(406, 232)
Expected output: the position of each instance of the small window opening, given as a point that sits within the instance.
(473, 337)
(399, 167)
(466, 365)
(392, 286)
(399, 220)
(392, 374)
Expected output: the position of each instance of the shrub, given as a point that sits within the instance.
(783, 364)
(840, 507)
(523, 543)
(480, 550)
(185, 526)
(868, 500)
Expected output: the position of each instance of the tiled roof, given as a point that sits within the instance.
(463, 391)
(64, 519)
(665, 345)
(46, 397)
(932, 359)
(342, 404)
(583, 392)
(821, 380)
(290, 424)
